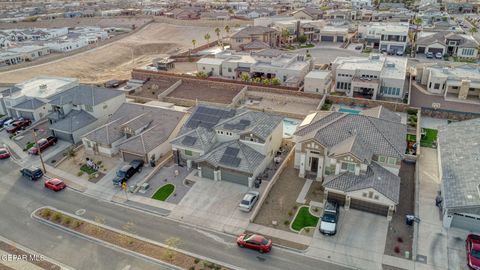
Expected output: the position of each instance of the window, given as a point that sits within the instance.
(376, 197)
(436, 86)
(188, 153)
(370, 194)
(381, 159)
(348, 166)
(392, 161)
(229, 69)
(364, 194)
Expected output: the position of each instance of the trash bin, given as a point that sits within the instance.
(409, 219)
(257, 183)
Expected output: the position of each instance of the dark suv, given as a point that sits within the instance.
(329, 220)
(32, 173)
(127, 171)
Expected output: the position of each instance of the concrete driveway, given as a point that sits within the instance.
(360, 240)
(213, 205)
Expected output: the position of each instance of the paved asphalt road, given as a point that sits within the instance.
(19, 197)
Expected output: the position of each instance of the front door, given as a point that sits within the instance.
(314, 164)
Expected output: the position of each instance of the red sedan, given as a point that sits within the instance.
(473, 251)
(254, 241)
(4, 153)
(18, 125)
(55, 184)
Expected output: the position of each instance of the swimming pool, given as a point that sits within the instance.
(345, 110)
(289, 126)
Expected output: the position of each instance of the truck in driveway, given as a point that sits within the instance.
(127, 171)
(43, 144)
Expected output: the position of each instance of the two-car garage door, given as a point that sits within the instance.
(226, 176)
(466, 221)
(369, 207)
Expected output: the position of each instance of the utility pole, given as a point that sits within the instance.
(39, 150)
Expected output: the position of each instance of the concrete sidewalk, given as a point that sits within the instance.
(276, 233)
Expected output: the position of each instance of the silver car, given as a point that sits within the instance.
(249, 201)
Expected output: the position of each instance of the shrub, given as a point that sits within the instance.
(46, 213)
(290, 213)
(307, 230)
(80, 173)
(217, 267)
(76, 223)
(286, 222)
(197, 260)
(315, 209)
(99, 163)
(396, 249)
(67, 221)
(191, 268)
(400, 239)
(56, 216)
(295, 207)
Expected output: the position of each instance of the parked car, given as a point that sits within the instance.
(55, 184)
(4, 119)
(255, 242)
(32, 173)
(429, 55)
(127, 171)
(359, 47)
(18, 125)
(4, 153)
(399, 53)
(328, 223)
(249, 200)
(7, 123)
(473, 251)
(43, 144)
(439, 55)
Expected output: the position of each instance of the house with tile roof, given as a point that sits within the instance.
(447, 42)
(458, 160)
(226, 144)
(356, 156)
(255, 37)
(135, 131)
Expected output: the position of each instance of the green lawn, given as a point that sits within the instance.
(411, 137)
(87, 169)
(304, 219)
(29, 145)
(307, 45)
(429, 138)
(163, 192)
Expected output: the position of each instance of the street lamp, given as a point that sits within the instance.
(34, 130)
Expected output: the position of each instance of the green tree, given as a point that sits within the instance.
(275, 81)
(194, 42)
(245, 77)
(473, 30)
(207, 37)
(418, 21)
(285, 34)
(302, 39)
(227, 29)
(217, 32)
(266, 81)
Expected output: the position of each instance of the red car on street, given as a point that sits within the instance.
(254, 241)
(55, 184)
(473, 251)
(18, 125)
(4, 153)
(43, 144)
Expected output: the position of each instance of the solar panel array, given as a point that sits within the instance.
(230, 158)
(208, 117)
(241, 125)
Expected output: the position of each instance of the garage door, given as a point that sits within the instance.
(369, 207)
(207, 173)
(327, 38)
(396, 48)
(339, 38)
(421, 50)
(235, 178)
(63, 136)
(466, 221)
(435, 50)
(127, 157)
(340, 198)
(28, 115)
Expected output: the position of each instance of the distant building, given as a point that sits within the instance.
(255, 34)
(387, 37)
(460, 45)
(318, 81)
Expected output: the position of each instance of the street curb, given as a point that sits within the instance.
(141, 209)
(170, 266)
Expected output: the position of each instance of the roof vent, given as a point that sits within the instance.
(42, 87)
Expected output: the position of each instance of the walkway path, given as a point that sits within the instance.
(303, 193)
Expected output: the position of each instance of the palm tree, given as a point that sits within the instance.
(207, 38)
(418, 21)
(227, 29)
(194, 42)
(285, 34)
(217, 31)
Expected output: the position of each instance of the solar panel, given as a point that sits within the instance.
(231, 151)
(245, 122)
(230, 161)
(189, 140)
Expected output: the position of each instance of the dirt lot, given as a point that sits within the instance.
(205, 91)
(281, 200)
(77, 22)
(114, 60)
(400, 235)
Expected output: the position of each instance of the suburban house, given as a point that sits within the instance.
(458, 160)
(184, 13)
(458, 82)
(371, 77)
(359, 4)
(288, 68)
(460, 45)
(225, 144)
(387, 37)
(80, 109)
(307, 13)
(459, 6)
(356, 156)
(254, 38)
(318, 81)
(135, 131)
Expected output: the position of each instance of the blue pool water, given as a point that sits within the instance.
(289, 126)
(345, 110)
